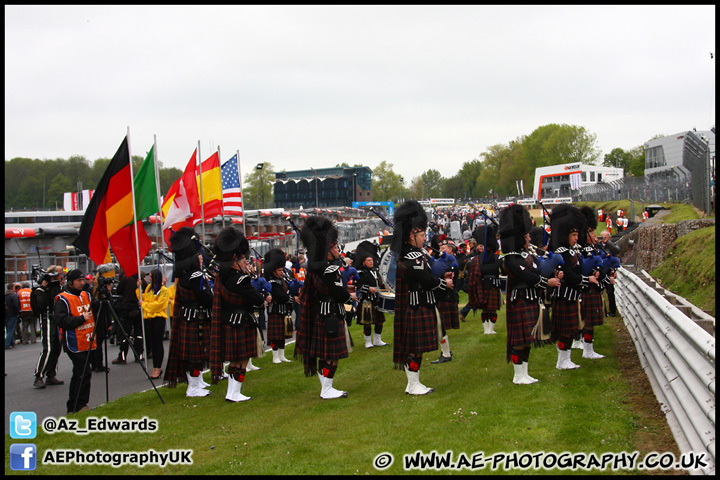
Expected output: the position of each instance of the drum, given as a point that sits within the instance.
(387, 269)
(386, 302)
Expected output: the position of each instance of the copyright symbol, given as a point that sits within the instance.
(49, 425)
(383, 461)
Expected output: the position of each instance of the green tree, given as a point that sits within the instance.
(453, 188)
(387, 185)
(416, 189)
(257, 188)
(637, 161)
(468, 175)
(632, 161)
(557, 144)
(432, 183)
(617, 158)
(58, 186)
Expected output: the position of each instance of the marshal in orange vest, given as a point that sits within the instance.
(78, 339)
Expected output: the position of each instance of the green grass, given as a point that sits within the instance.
(689, 268)
(287, 429)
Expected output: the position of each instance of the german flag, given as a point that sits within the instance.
(110, 211)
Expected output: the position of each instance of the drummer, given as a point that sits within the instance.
(368, 288)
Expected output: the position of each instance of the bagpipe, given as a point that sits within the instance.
(349, 274)
(443, 264)
(548, 262)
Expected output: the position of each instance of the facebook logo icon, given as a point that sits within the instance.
(23, 456)
(23, 425)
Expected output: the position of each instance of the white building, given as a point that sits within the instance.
(675, 155)
(559, 180)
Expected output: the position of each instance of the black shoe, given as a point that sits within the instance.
(442, 359)
(53, 381)
(101, 369)
(611, 315)
(39, 383)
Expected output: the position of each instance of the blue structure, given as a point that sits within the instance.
(389, 205)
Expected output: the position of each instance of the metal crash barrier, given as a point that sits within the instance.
(678, 357)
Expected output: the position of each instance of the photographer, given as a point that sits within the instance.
(45, 298)
(76, 324)
(129, 316)
(102, 290)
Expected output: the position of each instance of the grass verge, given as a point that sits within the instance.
(287, 429)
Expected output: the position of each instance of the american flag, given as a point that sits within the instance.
(232, 195)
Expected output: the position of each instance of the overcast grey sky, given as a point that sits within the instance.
(312, 86)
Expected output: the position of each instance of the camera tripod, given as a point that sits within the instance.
(105, 303)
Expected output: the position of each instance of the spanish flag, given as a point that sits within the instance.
(109, 217)
(211, 189)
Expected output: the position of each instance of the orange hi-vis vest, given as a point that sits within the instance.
(24, 296)
(78, 339)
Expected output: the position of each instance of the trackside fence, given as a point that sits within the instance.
(678, 357)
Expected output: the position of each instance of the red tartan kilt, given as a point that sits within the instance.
(420, 331)
(522, 316)
(327, 348)
(239, 343)
(565, 316)
(276, 329)
(491, 299)
(592, 307)
(449, 314)
(192, 345)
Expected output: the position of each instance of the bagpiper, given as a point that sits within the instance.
(279, 318)
(417, 323)
(567, 222)
(525, 290)
(322, 337)
(190, 336)
(235, 330)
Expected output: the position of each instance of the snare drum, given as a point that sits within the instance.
(386, 302)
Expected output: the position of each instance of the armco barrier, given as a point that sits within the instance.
(678, 357)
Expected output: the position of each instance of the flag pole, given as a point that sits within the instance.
(222, 200)
(202, 201)
(157, 192)
(242, 199)
(137, 247)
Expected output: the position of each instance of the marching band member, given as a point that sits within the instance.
(416, 317)
(281, 306)
(189, 339)
(367, 262)
(591, 307)
(235, 334)
(485, 278)
(447, 300)
(525, 290)
(322, 338)
(567, 222)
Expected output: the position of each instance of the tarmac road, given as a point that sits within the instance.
(51, 401)
(21, 396)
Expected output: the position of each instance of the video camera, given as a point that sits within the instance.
(39, 274)
(105, 277)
